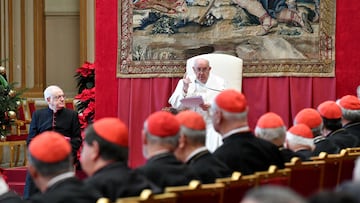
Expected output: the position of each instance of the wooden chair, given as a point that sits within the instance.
(15, 147)
(348, 163)
(333, 164)
(236, 186)
(306, 177)
(353, 150)
(103, 200)
(197, 192)
(146, 196)
(274, 176)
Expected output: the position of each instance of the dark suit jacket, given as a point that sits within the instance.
(207, 167)
(66, 123)
(10, 197)
(65, 191)
(304, 154)
(118, 180)
(247, 154)
(289, 154)
(322, 144)
(342, 138)
(165, 170)
(353, 128)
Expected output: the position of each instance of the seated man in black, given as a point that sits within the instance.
(241, 151)
(104, 160)
(192, 149)
(161, 137)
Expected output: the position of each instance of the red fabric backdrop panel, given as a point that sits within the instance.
(347, 47)
(133, 100)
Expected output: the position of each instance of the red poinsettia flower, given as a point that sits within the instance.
(86, 94)
(86, 69)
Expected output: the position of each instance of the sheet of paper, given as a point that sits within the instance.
(194, 101)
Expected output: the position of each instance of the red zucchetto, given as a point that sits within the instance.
(349, 102)
(309, 117)
(191, 119)
(50, 147)
(270, 120)
(329, 110)
(231, 101)
(112, 130)
(163, 124)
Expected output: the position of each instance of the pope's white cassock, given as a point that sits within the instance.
(208, 91)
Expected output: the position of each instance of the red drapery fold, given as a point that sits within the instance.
(133, 100)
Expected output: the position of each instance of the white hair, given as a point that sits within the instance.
(295, 139)
(49, 91)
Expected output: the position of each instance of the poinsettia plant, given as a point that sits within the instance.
(85, 76)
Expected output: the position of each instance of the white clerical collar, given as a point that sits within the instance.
(196, 151)
(60, 177)
(236, 130)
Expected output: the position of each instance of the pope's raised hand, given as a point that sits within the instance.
(186, 81)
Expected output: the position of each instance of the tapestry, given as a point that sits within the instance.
(274, 38)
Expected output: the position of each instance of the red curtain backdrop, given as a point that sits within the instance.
(132, 100)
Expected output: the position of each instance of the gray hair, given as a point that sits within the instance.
(194, 136)
(271, 133)
(172, 140)
(229, 115)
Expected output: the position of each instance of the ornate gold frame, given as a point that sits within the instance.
(324, 66)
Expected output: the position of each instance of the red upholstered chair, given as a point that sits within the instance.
(333, 164)
(348, 163)
(236, 186)
(306, 177)
(274, 176)
(69, 103)
(31, 106)
(197, 192)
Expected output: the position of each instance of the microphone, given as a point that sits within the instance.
(209, 88)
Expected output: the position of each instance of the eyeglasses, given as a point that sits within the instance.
(202, 70)
(59, 96)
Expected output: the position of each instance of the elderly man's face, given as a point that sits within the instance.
(202, 70)
(57, 100)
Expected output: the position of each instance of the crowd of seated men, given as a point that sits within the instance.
(174, 146)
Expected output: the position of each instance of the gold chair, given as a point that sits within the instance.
(147, 196)
(14, 148)
(197, 192)
(306, 176)
(274, 176)
(333, 164)
(236, 186)
(103, 200)
(353, 150)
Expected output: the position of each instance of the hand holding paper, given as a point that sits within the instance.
(189, 102)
